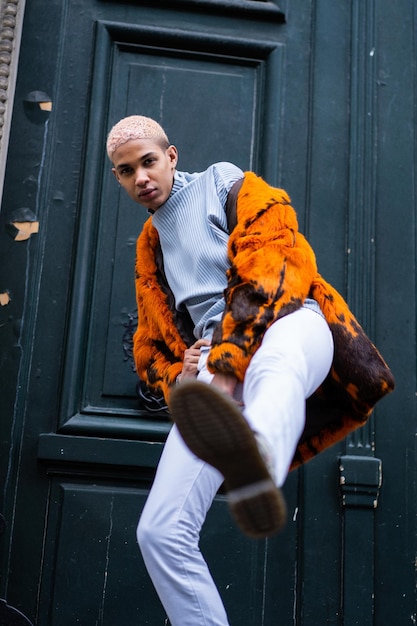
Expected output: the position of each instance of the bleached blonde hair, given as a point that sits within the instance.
(135, 127)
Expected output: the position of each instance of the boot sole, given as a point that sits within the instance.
(215, 430)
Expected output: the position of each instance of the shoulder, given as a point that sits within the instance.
(225, 175)
(224, 170)
(218, 178)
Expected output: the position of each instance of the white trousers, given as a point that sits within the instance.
(293, 360)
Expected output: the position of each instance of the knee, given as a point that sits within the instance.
(148, 533)
(141, 533)
(164, 532)
(157, 532)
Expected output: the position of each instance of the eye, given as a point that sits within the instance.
(149, 161)
(125, 170)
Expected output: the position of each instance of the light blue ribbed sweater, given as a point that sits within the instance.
(193, 231)
(192, 228)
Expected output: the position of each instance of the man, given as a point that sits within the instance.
(234, 329)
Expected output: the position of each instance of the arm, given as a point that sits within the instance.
(272, 268)
(191, 358)
(158, 348)
(192, 355)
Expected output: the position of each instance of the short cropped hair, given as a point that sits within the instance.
(135, 127)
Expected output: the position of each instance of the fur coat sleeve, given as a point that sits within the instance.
(272, 267)
(272, 271)
(158, 347)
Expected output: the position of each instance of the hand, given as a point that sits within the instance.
(191, 358)
(225, 383)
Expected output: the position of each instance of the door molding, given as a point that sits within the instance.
(252, 9)
(88, 406)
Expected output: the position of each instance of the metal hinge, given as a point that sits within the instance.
(360, 480)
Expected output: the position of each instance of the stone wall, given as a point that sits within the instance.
(11, 18)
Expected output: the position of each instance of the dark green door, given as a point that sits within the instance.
(317, 98)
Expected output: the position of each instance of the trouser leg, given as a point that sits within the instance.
(293, 360)
(168, 535)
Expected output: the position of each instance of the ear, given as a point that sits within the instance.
(172, 154)
(113, 169)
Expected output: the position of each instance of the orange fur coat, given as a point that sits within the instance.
(272, 270)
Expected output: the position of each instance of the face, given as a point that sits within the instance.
(145, 171)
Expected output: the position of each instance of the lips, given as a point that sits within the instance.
(146, 194)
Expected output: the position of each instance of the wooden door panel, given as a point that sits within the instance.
(146, 69)
(94, 572)
(322, 104)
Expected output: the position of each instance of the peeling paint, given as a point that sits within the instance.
(5, 298)
(21, 231)
(23, 224)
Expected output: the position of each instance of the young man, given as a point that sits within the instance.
(237, 329)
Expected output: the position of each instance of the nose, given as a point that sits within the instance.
(141, 177)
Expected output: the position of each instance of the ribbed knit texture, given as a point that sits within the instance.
(193, 232)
